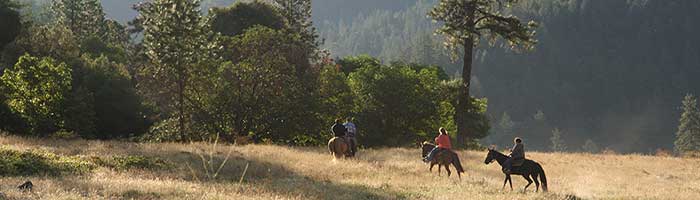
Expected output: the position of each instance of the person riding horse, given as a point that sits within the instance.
(338, 129)
(443, 144)
(517, 156)
(350, 135)
(338, 145)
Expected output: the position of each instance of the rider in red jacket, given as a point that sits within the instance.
(443, 143)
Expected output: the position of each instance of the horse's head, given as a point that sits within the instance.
(491, 155)
(426, 147)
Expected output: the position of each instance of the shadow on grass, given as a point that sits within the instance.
(276, 180)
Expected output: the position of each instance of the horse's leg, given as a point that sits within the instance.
(510, 181)
(431, 166)
(529, 181)
(447, 167)
(537, 183)
(439, 166)
(504, 182)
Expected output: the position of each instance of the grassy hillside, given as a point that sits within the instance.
(121, 170)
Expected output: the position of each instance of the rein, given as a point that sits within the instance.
(500, 157)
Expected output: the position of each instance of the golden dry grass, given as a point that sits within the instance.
(278, 172)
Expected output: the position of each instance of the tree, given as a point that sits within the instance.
(335, 94)
(84, 18)
(465, 22)
(688, 134)
(9, 21)
(177, 40)
(399, 104)
(477, 122)
(234, 20)
(106, 90)
(258, 91)
(503, 133)
(558, 143)
(590, 146)
(351, 63)
(37, 89)
(298, 15)
(44, 41)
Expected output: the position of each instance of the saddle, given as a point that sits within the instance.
(443, 152)
(518, 162)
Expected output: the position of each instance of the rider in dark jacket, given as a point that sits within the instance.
(517, 154)
(338, 129)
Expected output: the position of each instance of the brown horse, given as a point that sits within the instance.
(338, 147)
(443, 158)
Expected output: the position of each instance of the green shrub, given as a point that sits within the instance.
(30, 163)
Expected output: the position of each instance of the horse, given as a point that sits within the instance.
(338, 147)
(443, 158)
(528, 169)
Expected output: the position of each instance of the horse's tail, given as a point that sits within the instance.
(543, 177)
(457, 163)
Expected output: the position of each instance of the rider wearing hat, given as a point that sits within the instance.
(517, 155)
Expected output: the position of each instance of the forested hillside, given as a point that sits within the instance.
(604, 73)
(613, 72)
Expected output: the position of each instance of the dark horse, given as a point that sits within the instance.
(528, 169)
(443, 158)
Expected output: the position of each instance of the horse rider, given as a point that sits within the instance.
(350, 135)
(517, 155)
(338, 129)
(443, 143)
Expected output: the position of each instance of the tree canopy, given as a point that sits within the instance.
(9, 21)
(235, 19)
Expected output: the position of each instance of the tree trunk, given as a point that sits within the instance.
(464, 97)
(181, 106)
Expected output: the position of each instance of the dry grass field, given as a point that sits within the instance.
(277, 172)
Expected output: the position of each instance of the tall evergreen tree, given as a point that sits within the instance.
(176, 40)
(9, 21)
(558, 143)
(465, 22)
(502, 133)
(688, 135)
(590, 146)
(298, 15)
(85, 18)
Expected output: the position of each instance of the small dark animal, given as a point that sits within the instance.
(26, 186)
(528, 169)
(443, 158)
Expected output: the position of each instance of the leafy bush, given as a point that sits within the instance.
(37, 89)
(30, 163)
(163, 131)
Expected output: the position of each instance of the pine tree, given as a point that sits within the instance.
(9, 21)
(298, 16)
(84, 18)
(688, 135)
(177, 40)
(503, 131)
(558, 144)
(590, 146)
(464, 23)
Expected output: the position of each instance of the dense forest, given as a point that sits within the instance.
(604, 74)
(177, 73)
(608, 72)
